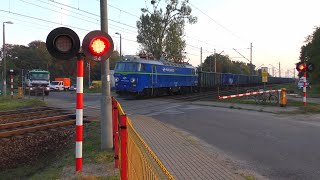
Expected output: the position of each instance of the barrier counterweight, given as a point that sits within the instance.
(79, 114)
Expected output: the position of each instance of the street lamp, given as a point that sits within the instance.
(120, 43)
(4, 60)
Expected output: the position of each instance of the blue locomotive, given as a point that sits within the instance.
(143, 77)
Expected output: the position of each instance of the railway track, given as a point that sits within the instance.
(29, 120)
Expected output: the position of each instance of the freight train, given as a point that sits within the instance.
(140, 76)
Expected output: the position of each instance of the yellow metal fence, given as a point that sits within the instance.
(140, 161)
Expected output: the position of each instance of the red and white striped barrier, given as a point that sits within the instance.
(247, 94)
(79, 113)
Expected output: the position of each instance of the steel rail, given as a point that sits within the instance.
(34, 121)
(26, 114)
(24, 130)
(2, 113)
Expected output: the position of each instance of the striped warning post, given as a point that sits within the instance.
(247, 94)
(11, 82)
(79, 114)
(305, 89)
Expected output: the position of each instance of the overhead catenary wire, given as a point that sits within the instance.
(215, 21)
(123, 23)
(93, 14)
(91, 18)
(96, 22)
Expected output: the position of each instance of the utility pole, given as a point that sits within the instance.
(273, 71)
(201, 58)
(251, 59)
(106, 108)
(4, 73)
(279, 70)
(215, 61)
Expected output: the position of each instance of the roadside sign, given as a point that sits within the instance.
(264, 73)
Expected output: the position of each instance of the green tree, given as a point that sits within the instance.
(161, 31)
(310, 53)
(225, 65)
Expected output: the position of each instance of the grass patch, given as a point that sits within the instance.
(10, 104)
(92, 154)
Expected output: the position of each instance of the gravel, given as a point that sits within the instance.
(31, 148)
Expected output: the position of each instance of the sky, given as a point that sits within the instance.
(276, 28)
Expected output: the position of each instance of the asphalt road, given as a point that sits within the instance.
(276, 146)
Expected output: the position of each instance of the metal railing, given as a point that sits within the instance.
(133, 156)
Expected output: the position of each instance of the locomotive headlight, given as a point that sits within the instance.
(116, 79)
(132, 80)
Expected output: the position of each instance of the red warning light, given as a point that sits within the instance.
(99, 45)
(301, 67)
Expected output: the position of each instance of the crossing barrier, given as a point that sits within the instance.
(248, 94)
(134, 157)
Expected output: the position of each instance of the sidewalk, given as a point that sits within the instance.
(180, 154)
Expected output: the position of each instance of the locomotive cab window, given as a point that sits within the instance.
(126, 67)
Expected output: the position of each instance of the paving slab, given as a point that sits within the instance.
(180, 155)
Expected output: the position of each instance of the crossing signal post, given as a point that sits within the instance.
(11, 72)
(304, 68)
(63, 43)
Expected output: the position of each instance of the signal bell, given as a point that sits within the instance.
(97, 44)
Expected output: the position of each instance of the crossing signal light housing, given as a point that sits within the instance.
(97, 44)
(301, 67)
(310, 67)
(63, 43)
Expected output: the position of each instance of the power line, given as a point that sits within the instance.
(30, 17)
(39, 19)
(67, 9)
(98, 16)
(215, 21)
(59, 12)
(123, 11)
(69, 15)
(92, 14)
